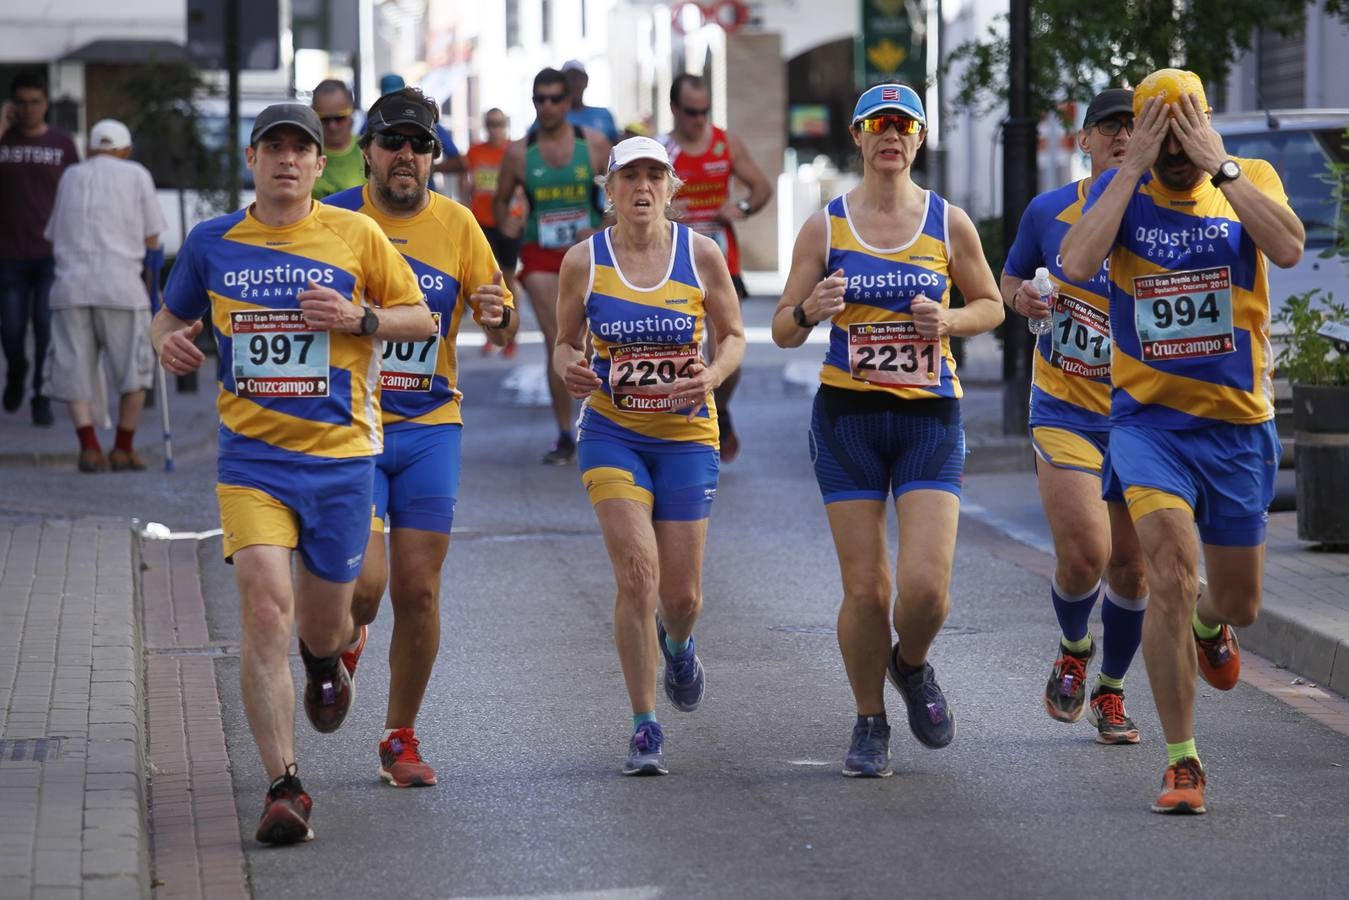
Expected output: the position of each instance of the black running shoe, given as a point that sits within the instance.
(1066, 690)
(869, 754)
(930, 716)
(563, 452)
(285, 813)
(328, 690)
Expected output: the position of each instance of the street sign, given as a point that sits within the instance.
(891, 45)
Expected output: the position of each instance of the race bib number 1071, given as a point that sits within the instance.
(276, 354)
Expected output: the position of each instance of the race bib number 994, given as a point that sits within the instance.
(276, 354)
(1184, 315)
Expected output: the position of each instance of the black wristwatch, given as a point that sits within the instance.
(505, 319)
(799, 316)
(1230, 170)
(369, 323)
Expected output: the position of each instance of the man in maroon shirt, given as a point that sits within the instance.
(32, 158)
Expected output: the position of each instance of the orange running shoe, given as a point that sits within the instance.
(1106, 712)
(400, 764)
(351, 657)
(1219, 658)
(1182, 789)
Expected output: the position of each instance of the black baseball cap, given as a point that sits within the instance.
(1110, 102)
(392, 110)
(297, 114)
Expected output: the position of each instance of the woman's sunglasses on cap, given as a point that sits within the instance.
(877, 124)
(392, 140)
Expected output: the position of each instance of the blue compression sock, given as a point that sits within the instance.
(1074, 612)
(1122, 621)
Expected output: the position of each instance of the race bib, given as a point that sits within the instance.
(277, 355)
(559, 228)
(410, 365)
(716, 231)
(1081, 341)
(1184, 315)
(642, 376)
(893, 354)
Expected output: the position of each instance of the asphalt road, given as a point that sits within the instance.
(527, 721)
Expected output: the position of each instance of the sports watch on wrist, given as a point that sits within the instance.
(369, 323)
(799, 316)
(505, 319)
(1230, 170)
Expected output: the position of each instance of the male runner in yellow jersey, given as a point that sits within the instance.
(299, 295)
(1189, 234)
(417, 475)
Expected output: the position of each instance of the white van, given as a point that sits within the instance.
(1298, 143)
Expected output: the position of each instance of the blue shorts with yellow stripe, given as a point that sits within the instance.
(1070, 448)
(678, 482)
(319, 507)
(1222, 473)
(867, 445)
(417, 478)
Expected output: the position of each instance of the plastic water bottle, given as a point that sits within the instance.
(1045, 288)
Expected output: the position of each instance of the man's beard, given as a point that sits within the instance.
(1181, 182)
(403, 201)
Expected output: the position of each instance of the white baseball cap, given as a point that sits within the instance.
(635, 148)
(109, 134)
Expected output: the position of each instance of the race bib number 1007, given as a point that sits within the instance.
(276, 354)
(1184, 315)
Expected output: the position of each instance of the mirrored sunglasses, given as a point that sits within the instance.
(901, 124)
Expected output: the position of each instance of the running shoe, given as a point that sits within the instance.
(285, 812)
(869, 755)
(1106, 712)
(1219, 658)
(684, 679)
(564, 450)
(1066, 690)
(1182, 789)
(930, 716)
(488, 347)
(727, 438)
(328, 690)
(508, 351)
(351, 657)
(400, 763)
(646, 751)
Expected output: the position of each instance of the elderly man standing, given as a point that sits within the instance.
(104, 228)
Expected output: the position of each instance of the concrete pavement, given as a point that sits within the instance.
(74, 663)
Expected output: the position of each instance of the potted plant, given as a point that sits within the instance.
(1315, 360)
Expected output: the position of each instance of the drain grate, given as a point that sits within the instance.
(804, 629)
(31, 749)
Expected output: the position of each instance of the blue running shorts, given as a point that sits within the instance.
(866, 445)
(1222, 473)
(1070, 448)
(320, 507)
(417, 478)
(678, 484)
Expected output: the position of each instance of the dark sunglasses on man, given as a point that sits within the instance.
(393, 141)
(695, 112)
(541, 99)
(902, 124)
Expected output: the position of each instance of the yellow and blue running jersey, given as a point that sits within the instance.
(451, 258)
(872, 342)
(286, 389)
(643, 337)
(1189, 307)
(1071, 383)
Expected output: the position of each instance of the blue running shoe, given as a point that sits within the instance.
(930, 716)
(869, 755)
(646, 751)
(684, 680)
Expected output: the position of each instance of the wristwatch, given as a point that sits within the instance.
(505, 319)
(743, 206)
(1230, 170)
(369, 323)
(799, 316)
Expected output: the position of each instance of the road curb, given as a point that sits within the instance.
(1302, 647)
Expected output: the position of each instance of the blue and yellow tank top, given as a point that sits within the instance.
(872, 342)
(562, 199)
(643, 338)
(1071, 383)
(451, 258)
(1189, 307)
(285, 389)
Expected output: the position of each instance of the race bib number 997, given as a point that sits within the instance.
(276, 354)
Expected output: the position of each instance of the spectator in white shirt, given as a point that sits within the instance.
(104, 229)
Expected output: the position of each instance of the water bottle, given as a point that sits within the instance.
(1045, 288)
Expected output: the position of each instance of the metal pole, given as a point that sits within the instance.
(232, 140)
(1018, 187)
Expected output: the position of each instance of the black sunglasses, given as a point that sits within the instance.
(1112, 127)
(549, 98)
(330, 119)
(392, 140)
(695, 111)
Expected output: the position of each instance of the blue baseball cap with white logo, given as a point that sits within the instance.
(898, 98)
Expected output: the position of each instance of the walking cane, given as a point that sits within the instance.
(154, 264)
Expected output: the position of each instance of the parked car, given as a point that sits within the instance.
(1299, 143)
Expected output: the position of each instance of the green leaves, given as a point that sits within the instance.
(1308, 358)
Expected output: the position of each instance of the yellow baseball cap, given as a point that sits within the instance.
(1169, 84)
